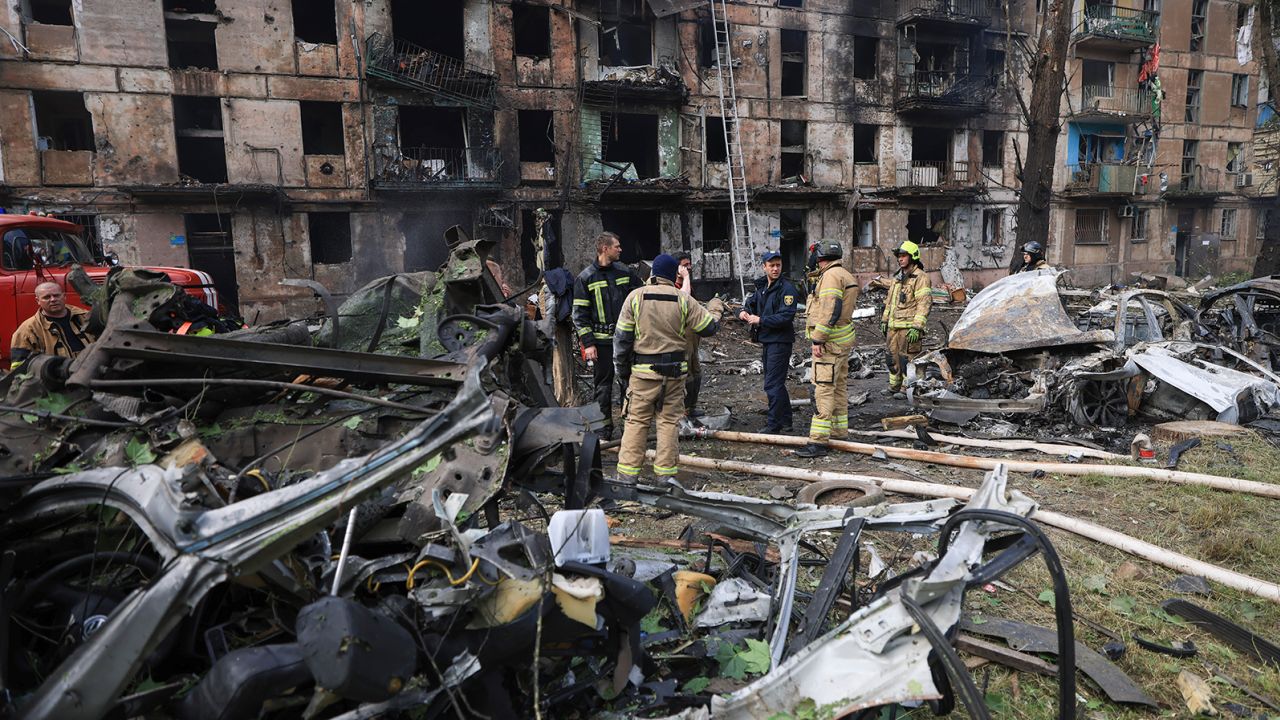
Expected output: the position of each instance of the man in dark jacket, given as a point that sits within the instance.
(771, 312)
(598, 294)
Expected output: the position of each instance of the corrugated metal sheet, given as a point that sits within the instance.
(663, 8)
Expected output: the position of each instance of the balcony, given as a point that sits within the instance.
(1105, 26)
(929, 177)
(643, 84)
(945, 14)
(1201, 183)
(1111, 104)
(425, 168)
(945, 91)
(402, 63)
(1093, 179)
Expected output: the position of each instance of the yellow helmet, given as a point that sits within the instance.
(908, 248)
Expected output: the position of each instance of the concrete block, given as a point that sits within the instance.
(135, 138)
(317, 177)
(300, 88)
(144, 80)
(122, 32)
(319, 59)
(264, 142)
(255, 36)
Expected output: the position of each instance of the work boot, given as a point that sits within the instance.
(812, 450)
(890, 391)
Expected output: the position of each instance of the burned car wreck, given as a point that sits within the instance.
(1017, 350)
(386, 516)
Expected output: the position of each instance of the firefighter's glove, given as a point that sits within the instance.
(913, 335)
(884, 328)
(716, 307)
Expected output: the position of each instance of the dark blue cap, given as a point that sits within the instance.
(771, 255)
(664, 266)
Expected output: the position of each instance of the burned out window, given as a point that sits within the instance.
(1091, 226)
(708, 48)
(50, 12)
(795, 51)
(1138, 225)
(864, 227)
(993, 148)
(626, 33)
(793, 239)
(197, 124)
(1235, 157)
(62, 122)
(639, 230)
(865, 49)
(716, 149)
(717, 228)
(995, 67)
(537, 135)
(191, 42)
(432, 127)
(793, 149)
(1194, 78)
(330, 234)
(531, 30)
(1227, 223)
(436, 26)
(926, 226)
(1190, 158)
(865, 138)
(322, 128)
(1097, 77)
(631, 138)
(1199, 21)
(315, 21)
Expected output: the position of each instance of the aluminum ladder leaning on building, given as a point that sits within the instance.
(739, 206)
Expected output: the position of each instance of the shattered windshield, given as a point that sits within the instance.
(25, 248)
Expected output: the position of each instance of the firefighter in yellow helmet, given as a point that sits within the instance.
(829, 326)
(906, 311)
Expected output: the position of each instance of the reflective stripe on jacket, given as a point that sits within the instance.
(40, 335)
(830, 308)
(909, 301)
(598, 294)
(654, 322)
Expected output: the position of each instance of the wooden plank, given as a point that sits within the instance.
(1005, 656)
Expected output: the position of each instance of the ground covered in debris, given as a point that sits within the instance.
(386, 514)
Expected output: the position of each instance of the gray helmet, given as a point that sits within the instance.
(829, 250)
(1035, 250)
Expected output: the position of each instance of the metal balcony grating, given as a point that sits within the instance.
(403, 63)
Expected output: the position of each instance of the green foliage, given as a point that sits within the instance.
(139, 452)
(1123, 604)
(737, 664)
(696, 685)
(1047, 597)
(1096, 583)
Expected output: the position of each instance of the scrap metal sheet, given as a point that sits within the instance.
(1020, 312)
(663, 8)
(1222, 389)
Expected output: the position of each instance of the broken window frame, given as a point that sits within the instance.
(1198, 25)
(1138, 225)
(630, 19)
(1095, 68)
(329, 237)
(864, 227)
(190, 139)
(524, 15)
(993, 139)
(708, 54)
(1190, 158)
(64, 128)
(866, 61)
(1195, 78)
(311, 15)
(934, 218)
(721, 219)
(1235, 158)
(714, 145)
(992, 227)
(182, 51)
(789, 156)
(1091, 226)
(1239, 90)
(794, 81)
(1228, 224)
(321, 140)
(793, 236)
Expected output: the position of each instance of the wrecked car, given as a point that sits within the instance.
(1016, 350)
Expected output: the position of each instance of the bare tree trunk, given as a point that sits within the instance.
(1264, 43)
(1048, 73)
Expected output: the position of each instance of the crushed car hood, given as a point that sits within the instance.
(1020, 312)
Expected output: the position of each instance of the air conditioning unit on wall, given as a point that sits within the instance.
(1126, 211)
(1244, 180)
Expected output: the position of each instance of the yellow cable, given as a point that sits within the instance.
(428, 561)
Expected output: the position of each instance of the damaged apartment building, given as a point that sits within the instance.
(337, 141)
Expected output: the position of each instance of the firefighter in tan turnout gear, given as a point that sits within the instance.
(649, 348)
(906, 310)
(829, 326)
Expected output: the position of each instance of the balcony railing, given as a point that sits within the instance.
(1110, 100)
(1116, 23)
(942, 89)
(416, 167)
(1103, 179)
(403, 63)
(935, 174)
(965, 12)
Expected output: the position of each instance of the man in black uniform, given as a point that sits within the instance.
(771, 312)
(597, 299)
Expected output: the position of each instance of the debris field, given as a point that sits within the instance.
(386, 513)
